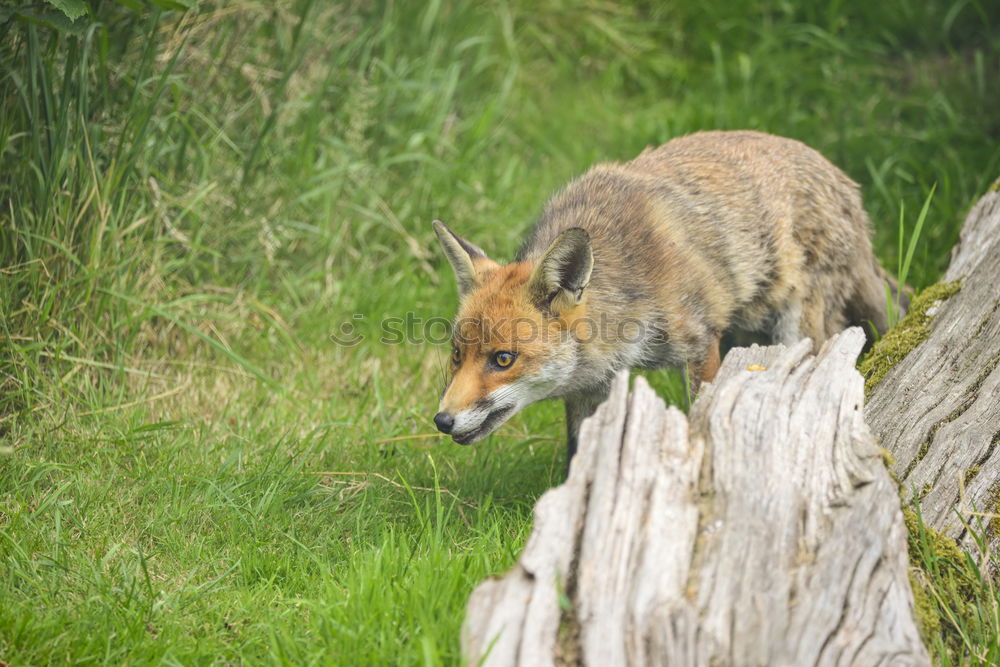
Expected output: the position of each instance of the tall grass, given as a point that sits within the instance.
(193, 202)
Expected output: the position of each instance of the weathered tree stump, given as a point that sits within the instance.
(764, 530)
(938, 410)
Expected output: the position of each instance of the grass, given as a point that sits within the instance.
(904, 262)
(958, 606)
(193, 203)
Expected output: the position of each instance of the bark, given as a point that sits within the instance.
(938, 410)
(764, 530)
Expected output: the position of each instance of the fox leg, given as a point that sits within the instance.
(788, 324)
(706, 367)
(578, 408)
(867, 306)
(816, 323)
(803, 317)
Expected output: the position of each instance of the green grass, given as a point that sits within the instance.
(193, 203)
(958, 605)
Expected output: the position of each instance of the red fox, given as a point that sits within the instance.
(647, 264)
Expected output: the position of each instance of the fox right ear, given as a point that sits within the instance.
(563, 273)
(463, 257)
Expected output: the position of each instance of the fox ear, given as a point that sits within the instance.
(563, 272)
(463, 257)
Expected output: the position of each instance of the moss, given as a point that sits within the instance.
(940, 546)
(905, 336)
(887, 458)
(943, 586)
(993, 510)
(568, 651)
(971, 473)
(977, 384)
(921, 453)
(890, 462)
(996, 186)
(925, 610)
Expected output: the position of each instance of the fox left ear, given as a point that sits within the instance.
(467, 260)
(563, 272)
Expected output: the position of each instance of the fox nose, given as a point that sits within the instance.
(444, 422)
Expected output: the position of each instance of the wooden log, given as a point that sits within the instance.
(938, 410)
(764, 530)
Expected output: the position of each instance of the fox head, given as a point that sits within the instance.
(514, 341)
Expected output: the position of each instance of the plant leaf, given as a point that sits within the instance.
(73, 9)
(42, 15)
(181, 5)
(134, 5)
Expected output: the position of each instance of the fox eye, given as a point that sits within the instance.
(503, 359)
(456, 356)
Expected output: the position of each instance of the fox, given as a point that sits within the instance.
(651, 263)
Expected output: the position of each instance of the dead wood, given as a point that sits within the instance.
(938, 410)
(764, 530)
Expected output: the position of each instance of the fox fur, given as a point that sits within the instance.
(648, 263)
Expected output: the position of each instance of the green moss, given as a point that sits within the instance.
(887, 458)
(996, 186)
(568, 651)
(971, 473)
(939, 546)
(993, 510)
(890, 462)
(905, 336)
(924, 609)
(946, 592)
(922, 452)
(926, 545)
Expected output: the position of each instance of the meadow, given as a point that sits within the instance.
(198, 203)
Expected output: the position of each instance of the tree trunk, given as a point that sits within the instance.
(938, 410)
(764, 530)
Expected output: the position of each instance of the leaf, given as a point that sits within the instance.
(134, 5)
(73, 9)
(43, 15)
(181, 5)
